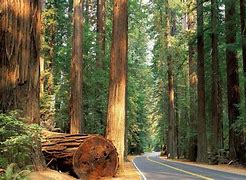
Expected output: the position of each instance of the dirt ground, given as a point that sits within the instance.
(129, 173)
(49, 175)
(220, 167)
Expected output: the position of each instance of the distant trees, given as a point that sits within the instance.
(200, 85)
(116, 113)
(19, 57)
(186, 92)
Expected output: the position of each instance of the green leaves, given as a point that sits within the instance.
(13, 172)
(17, 140)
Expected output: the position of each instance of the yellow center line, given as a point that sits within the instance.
(181, 170)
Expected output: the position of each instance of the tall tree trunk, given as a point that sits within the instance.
(76, 101)
(101, 33)
(171, 105)
(201, 128)
(216, 107)
(100, 58)
(42, 77)
(177, 123)
(237, 152)
(243, 34)
(20, 55)
(192, 151)
(42, 71)
(115, 130)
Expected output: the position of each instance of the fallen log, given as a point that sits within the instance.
(89, 156)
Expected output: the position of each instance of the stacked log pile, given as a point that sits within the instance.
(89, 156)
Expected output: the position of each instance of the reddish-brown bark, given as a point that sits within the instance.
(192, 151)
(89, 156)
(236, 145)
(101, 33)
(216, 88)
(116, 112)
(172, 137)
(20, 53)
(76, 101)
(201, 127)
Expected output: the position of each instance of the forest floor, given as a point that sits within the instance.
(49, 175)
(220, 167)
(129, 173)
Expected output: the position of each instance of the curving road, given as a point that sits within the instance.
(151, 167)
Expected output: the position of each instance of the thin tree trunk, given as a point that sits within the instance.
(101, 33)
(192, 151)
(118, 76)
(20, 55)
(201, 128)
(100, 57)
(76, 101)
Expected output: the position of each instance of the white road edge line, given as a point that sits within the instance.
(139, 172)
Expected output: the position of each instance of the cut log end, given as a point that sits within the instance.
(95, 157)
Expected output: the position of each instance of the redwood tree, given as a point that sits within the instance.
(243, 34)
(116, 113)
(192, 151)
(236, 150)
(19, 57)
(101, 33)
(216, 87)
(76, 103)
(201, 127)
(172, 135)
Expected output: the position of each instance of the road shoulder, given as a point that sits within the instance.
(220, 167)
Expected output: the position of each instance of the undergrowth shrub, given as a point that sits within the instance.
(13, 172)
(17, 141)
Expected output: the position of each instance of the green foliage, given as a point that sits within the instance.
(17, 141)
(147, 109)
(56, 51)
(139, 80)
(14, 173)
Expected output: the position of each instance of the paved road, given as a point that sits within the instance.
(151, 167)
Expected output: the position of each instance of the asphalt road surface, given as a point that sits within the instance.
(151, 167)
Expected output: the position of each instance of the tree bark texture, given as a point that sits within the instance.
(171, 104)
(236, 142)
(216, 87)
(116, 112)
(192, 151)
(20, 55)
(100, 33)
(100, 59)
(201, 127)
(76, 101)
(89, 156)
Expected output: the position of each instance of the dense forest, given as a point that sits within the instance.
(144, 74)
